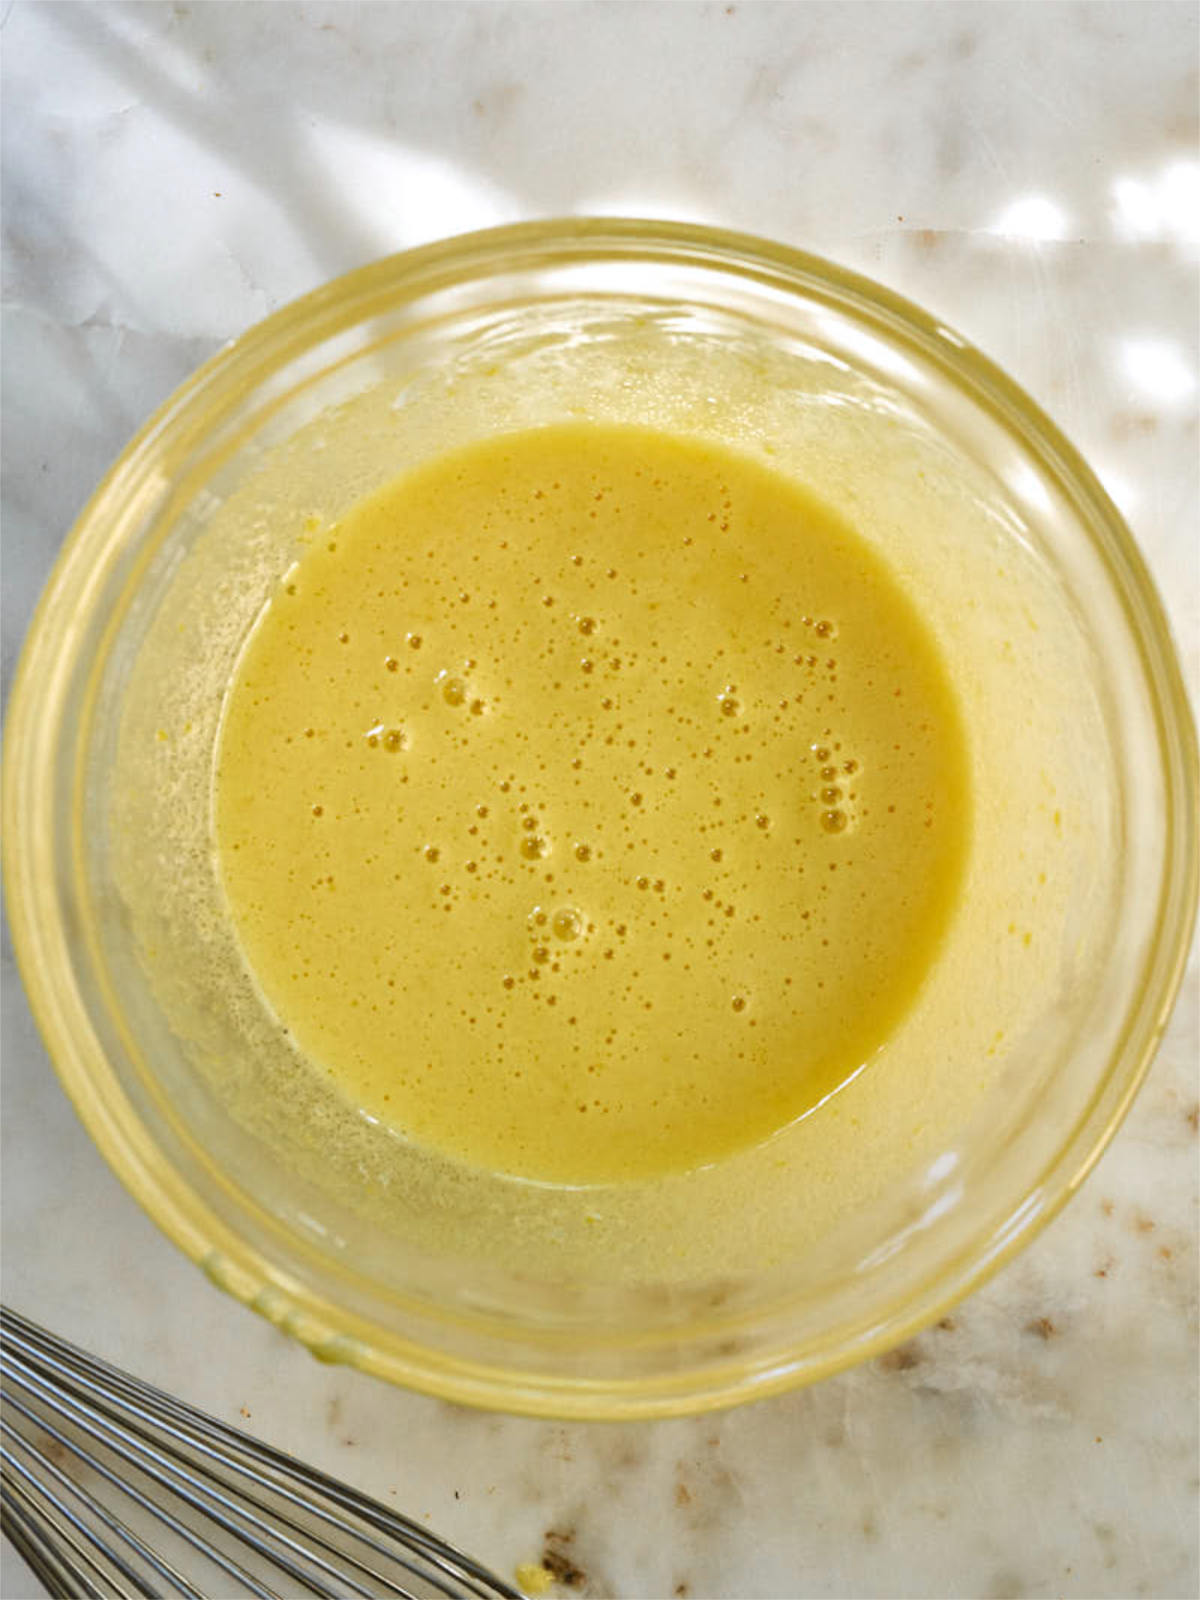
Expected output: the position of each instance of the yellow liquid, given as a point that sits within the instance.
(590, 804)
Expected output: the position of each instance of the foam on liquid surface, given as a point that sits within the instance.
(590, 803)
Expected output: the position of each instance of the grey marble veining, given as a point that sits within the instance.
(1029, 173)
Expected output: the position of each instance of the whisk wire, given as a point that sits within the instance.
(292, 1519)
(24, 1535)
(112, 1522)
(80, 1420)
(111, 1383)
(39, 1485)
(69, 1546)
(233, 1451)
(116, 1410)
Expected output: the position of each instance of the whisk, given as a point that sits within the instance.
(111, 1487)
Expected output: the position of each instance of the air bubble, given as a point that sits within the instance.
(568, 924)
(534, 847)
(834, 821)
(454, 691)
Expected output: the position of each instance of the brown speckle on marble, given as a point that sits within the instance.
(1193, 1118)
(1143, 1224)
(1105, 1267)
(1106, 1537)
(244, 1412)
(333, 1411)
(499, 101)
(902, 1359)
(628, 1456)
(1106, 1207)
(948, 1324)
(683, 1495)
(559, 1563)
(1006, 1586)
(1042, 1327)
(1133, 424)
(558, 1444)
(680, 1590)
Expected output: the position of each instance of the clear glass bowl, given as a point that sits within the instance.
(1033, 1031)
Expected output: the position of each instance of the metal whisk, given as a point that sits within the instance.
(111, 1487)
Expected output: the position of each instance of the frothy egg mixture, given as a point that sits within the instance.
(590, 804)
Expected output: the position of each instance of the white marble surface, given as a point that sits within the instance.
(1030, 173)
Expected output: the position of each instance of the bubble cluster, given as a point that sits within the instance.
(836, 791)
